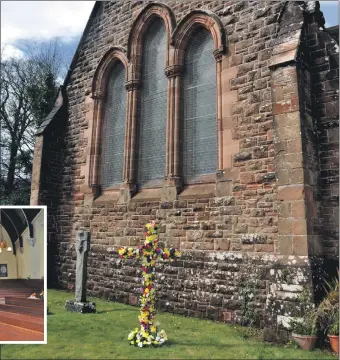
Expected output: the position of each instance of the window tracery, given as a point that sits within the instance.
(171, 132)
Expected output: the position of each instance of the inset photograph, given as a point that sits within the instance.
(22, 275)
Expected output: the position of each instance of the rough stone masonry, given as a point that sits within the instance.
(258, 231)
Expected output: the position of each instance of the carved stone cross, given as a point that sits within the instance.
(82, 248)
(149, 253)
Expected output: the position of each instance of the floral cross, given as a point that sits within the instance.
(149, 252)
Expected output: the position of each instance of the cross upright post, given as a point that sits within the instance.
(80, 304)
(149, 253)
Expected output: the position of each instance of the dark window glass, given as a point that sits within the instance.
(152, 121)
(199, 127)
(114, 128)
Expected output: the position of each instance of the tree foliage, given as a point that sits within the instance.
(28, 90)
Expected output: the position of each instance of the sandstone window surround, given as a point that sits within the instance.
(114, 57)
(198, 140)
(113, 133)
(177, 41)
(150, 157)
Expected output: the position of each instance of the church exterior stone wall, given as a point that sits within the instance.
(248, 234)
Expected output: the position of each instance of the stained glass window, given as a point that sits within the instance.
(114, 128)
(199, 126)
(152, 120)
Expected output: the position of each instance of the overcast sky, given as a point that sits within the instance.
(45, 20)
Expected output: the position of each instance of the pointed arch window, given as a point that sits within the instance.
(165, 121)
(153, 106)
(113, 130)
(199, 126)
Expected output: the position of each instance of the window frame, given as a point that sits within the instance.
(206, 177)
(177, 40)
(114, 186)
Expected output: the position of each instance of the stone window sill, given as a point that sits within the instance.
(195, 191)
(107, 197)
(148, 195)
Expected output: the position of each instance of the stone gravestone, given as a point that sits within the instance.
(80, 304)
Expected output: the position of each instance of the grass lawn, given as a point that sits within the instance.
(104, 336)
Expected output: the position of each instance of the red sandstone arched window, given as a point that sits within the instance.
(153, 106)
(172, 132)
(199, 126)
(198, 42)
(108, 128)
(149, 54)
(113, 128)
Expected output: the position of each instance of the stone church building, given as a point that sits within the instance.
(217, 119)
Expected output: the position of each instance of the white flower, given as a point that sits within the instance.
(140, 344)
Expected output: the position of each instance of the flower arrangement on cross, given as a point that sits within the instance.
(149, 253)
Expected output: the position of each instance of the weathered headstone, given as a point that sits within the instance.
(80, 304)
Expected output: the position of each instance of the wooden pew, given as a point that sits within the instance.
(9, 300)
(21, 319)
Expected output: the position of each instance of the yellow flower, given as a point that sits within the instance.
(152, 237)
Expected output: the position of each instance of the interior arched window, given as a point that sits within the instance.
(199, 126)
(152, 121)
(113, 131)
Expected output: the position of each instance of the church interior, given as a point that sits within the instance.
(21, 274)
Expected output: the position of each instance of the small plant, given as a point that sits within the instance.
(328, 314)
(334, 328)
(328, 317)
(304, 328)
(328, 310)
(306, 325)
